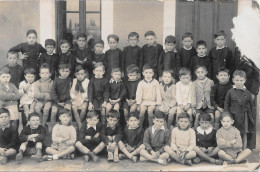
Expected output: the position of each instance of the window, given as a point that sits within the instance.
(78, 16)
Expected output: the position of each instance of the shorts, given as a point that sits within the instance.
(97, 103)
(66, 106)
(90, 145)
(206, 110)
(126, 106)
(164, 108)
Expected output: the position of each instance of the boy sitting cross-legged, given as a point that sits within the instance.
(89, 142)
(155, 139)
(31, 138)
(131, 144)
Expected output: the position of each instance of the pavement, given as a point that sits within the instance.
(78, 164)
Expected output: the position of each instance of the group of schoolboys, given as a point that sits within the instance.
(124, 87)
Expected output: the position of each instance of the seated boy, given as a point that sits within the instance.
(8, 137)
(131, 143)
(9, 95)
(131, 87)
(155, 139)
(60, 92)
(206, 147)
(117, 90)
(31, 138)
(183, 141)
(168, 92)
(98, 92)
(89, 141)
(111, 134)
(148, 95)
(42, 93)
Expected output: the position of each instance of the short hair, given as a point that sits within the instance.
(12, 52)
(134, 114)
(50, 42)
(147, 66)
(33, 114)
(100, 41)
(204, 117)
(240, 73)
(4, 70)
(31, 31)
(4, 110)
(226, 114)
(113, 114)
(64, 41)
(64, 111)
(133, 34)
(115, 37)
(184, 71)
(45, 66)
(79, 68)
(159, 114)
(187, 35)
(91, 42)
(99, 65)
(29, 70)
(64, 66)
(222, 69)
(82, 35)
(149, 33)
(132, 69)
(115, 69)
(201, 42)
(93, 113)
(170, 72)
(170, 39)
(183, 115)
(200, 66)
(220, 33)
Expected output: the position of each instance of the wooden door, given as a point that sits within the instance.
(203, 18)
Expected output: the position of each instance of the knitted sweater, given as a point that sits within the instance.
(42, 89)
(8, 96)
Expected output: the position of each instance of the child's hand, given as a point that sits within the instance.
(112, 102)
(90, 106)
(203, 149)
(160, 79)
(88, 137)
(110, 138)
(210, 149)
(64, 139)
(129, 148)
(182, 155)
(2, 151)
(157, 154)
(186, 107)
(96, 135)
(78, 61)
(138, 108)
(61, 104)
(104, 105)
(233, 141)
(153, 155)
(23, 56)
(220, 109)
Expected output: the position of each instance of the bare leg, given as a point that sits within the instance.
(217, 119)
(84, 108)
(171, 117)
(133, 108)
(212, 119)
(103, 115)
(76, 115)
(144, 153)
(126, 114)
(122, 147)
(150, 115)
(190, 113)
(26, 111)
(109, 107)
(244, 136)
(243, 155)
(204, 155)
(116, 107)
(196, 123)
(173, 154)
(10, 152)
(224, 156)
(214, 152)
(54, 111)
(83, 149)
(142, 112)
(99, 148)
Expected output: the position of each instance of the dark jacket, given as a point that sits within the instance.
(169, 61)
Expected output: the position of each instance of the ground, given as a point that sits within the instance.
(78, 164)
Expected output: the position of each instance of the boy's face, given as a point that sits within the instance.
(29, 77)
(220, 41)
(133, 122)
(227, 122)
(98, 48)
(239, 81)
(112, 43)
(201, 50)
(31, 39)
(64, 48)
(34, 122)
(132, 41)
(201, 73)
(183, 123)
(49, 49)
(223, 77)
(4, 119)
(81, 42)
(112, 122)
(92, 122)
(167, 78)
(12, 59)
(148, 74)
(65, 119)
(204, 124)
(99, 72)
(158, 123)
(132, 76)
(81, 75)
(5, 78)
(64, 73)
(187, 42)
(169, 46)
(45, 74)
(116, 75)
(150, 40)
(185, 79)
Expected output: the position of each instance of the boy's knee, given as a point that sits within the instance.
(121, 145)
(196, 149)
(167, 148)
(221, 153)
(78, 144)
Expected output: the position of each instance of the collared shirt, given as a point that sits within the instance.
(112, 81)
(95, 128)
(3, 128)
(153, 129)
(148, 82)
(243, 88)
(203, 132)
(219, 48)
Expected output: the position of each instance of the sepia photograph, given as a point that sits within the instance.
(129, 85)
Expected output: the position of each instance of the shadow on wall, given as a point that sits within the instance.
(16, 17)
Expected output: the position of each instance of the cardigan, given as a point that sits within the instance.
(201, 61)
(52, 60)
(183, 93)
(151, 55)
(131, 87)
(60, 91)
(98, 89)
(113, 58)
(28, 96)
(9, 137)
(42, 89)
(186, 56)
(169, 61)
(131, 55)
(8, 96)
(218, 94)
(28, 131)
